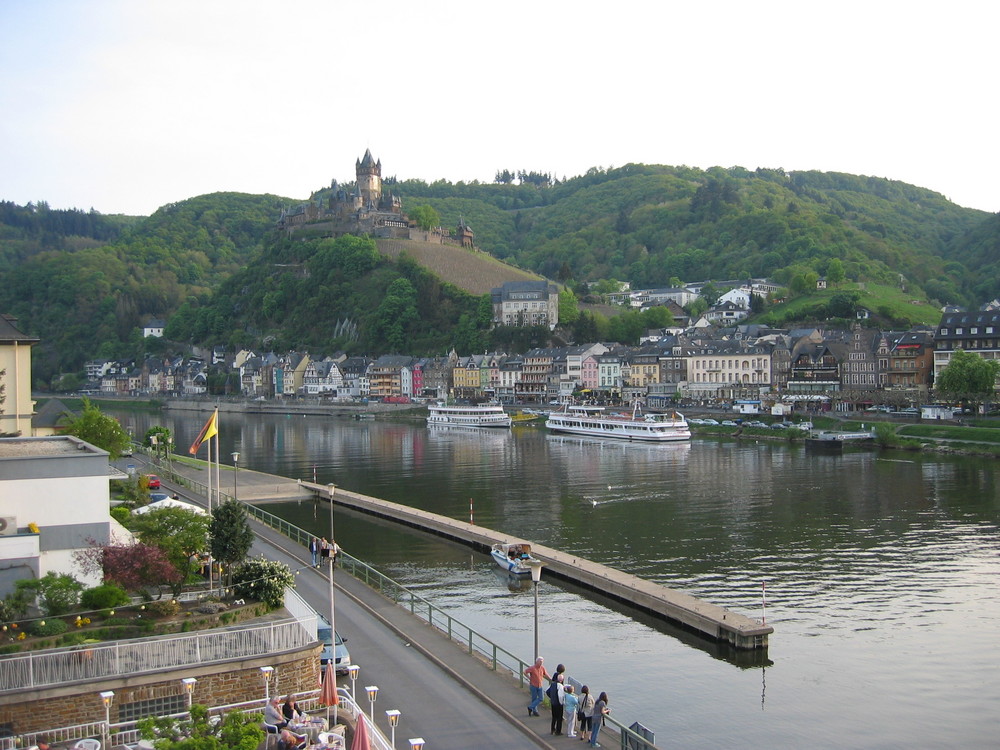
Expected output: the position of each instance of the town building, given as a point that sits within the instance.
(15, 375)
(526, 303)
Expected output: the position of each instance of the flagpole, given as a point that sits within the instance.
(210, 562)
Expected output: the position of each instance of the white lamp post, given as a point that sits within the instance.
(393, 714)
(536, 576)
(107, 697)
(333, 627)
(188, 683)
(266, 673)
(353, 671)
(236, 472)
(372, 695)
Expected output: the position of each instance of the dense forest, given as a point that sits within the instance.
(217, 270)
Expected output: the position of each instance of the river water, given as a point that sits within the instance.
(880, 570)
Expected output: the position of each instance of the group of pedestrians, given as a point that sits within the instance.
(320, 548)
(582, 715)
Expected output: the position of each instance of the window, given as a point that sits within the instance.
(170, 704)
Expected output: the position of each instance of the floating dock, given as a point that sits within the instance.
(673, 606)
(834, 442)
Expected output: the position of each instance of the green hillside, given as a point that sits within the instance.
(215, 267)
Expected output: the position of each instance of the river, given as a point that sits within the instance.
(880, 571)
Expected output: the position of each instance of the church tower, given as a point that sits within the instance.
(369, 174)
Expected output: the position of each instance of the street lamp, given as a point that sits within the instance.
(372, 695)
(353, 671)
(107, 697)
(416, 743)
(536, 576)
(266, 673)
(188, 683)
(393, 714)
(333, 627)
(236, 473)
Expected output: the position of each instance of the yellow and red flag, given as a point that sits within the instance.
(210, 429)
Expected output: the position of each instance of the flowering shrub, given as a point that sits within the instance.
(264, 580)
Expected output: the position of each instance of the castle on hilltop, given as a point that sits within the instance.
(366, 209)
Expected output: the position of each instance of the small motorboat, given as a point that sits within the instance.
(514, 557)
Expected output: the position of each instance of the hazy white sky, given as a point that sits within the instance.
(125, 105)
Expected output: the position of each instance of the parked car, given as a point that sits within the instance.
(804, 426)
(153, 481)
(157, 496)
(729, 423)
(343, 655)
(755, 423)
(709, 421)
(778, 426)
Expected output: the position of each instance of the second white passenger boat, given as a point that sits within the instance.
(593, 422)
(479, 415)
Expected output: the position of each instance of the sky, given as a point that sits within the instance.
(124, 106)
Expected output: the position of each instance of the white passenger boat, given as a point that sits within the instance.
(515, 558)
(479, 415)
(593, 422)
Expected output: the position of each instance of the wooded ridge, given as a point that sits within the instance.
(216, 269)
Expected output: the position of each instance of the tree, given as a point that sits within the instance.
(182, 535)
(230, 535)
(968, 378)
(99, 430)
(395, 313)
(425, 216)
(158, 438)
(569, 308)
(236, 731)
(835, 271)
(134, 567)
(58, 593)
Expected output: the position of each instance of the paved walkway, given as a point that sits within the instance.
(446, 695)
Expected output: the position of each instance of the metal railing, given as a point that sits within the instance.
(495, 656)
(63, 666)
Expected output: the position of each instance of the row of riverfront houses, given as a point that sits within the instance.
(860, 365)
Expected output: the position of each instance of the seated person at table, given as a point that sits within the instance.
(291, 741)
(290, 710)
(273, 715)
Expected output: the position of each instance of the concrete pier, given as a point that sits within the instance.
(707, 619)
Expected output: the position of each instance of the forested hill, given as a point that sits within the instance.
(86, 287)
(84, 283)
(649, 224)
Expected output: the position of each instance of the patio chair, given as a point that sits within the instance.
(272, 731)
(87, 744)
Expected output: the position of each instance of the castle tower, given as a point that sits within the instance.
(369, 174)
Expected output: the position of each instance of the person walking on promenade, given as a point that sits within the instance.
(586, 712)
(535, 674)
(570, 703)
(314, 549)
(555, 693)
(600, 710)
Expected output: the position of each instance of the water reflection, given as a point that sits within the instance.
(880, 568)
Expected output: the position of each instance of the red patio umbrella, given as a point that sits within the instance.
(360, 741)
(328, 690)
